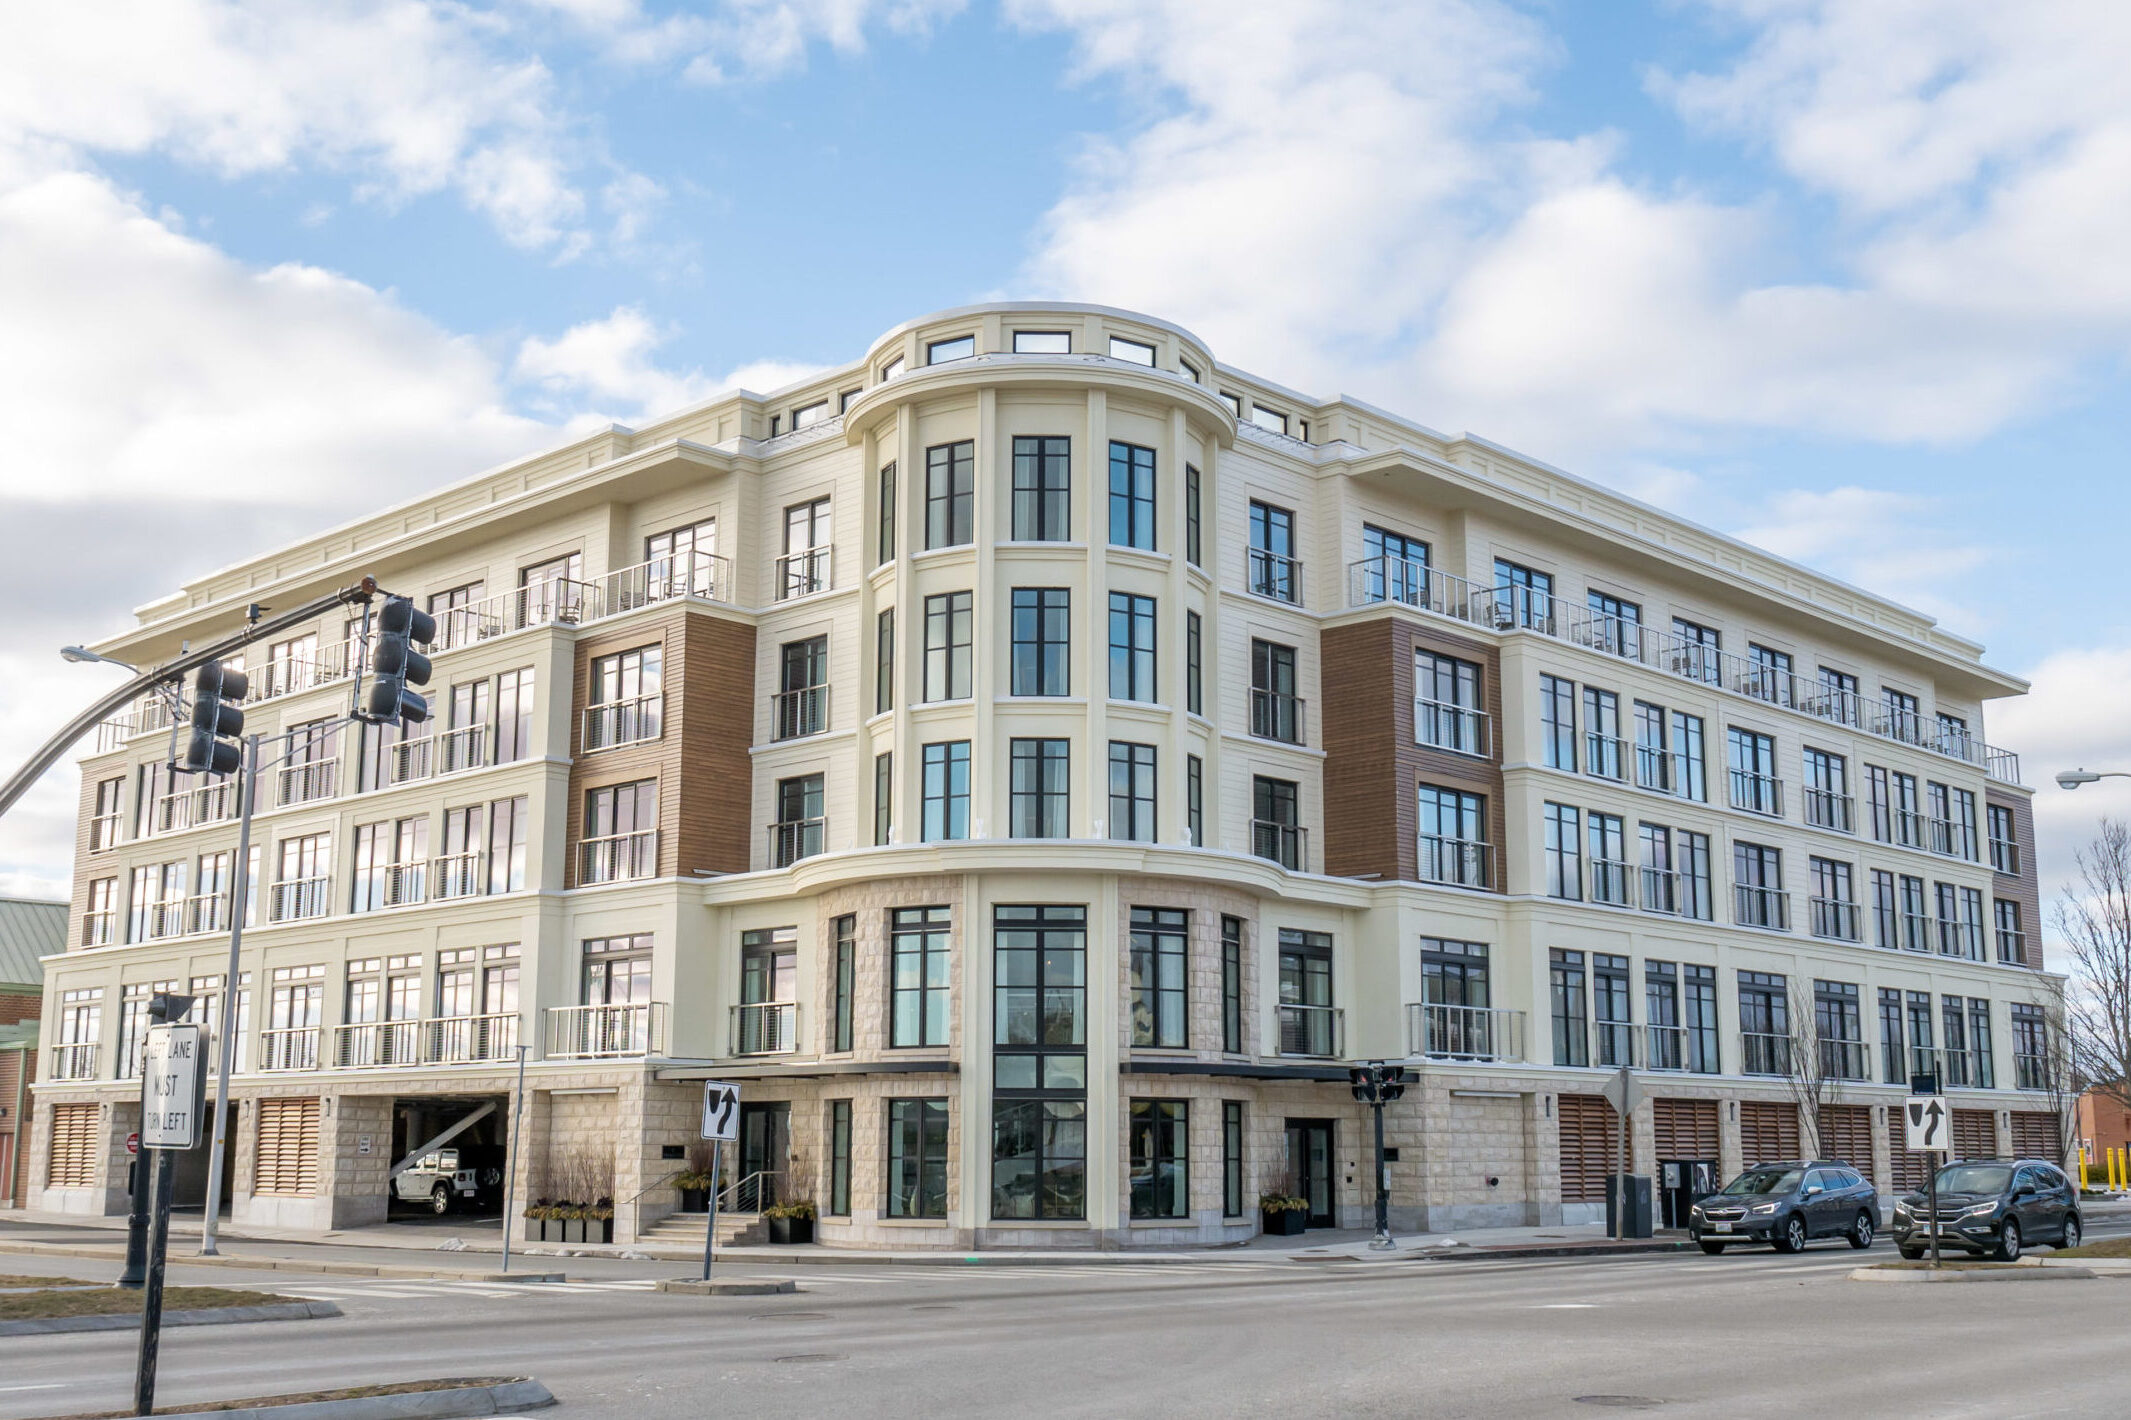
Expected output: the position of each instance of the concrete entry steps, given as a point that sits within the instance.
(686, 1229)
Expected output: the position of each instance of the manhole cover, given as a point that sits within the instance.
(806, 1356)
(789, 1316)
(1620, 1402)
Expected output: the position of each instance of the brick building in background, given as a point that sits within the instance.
(1034, 758)
(28, 930)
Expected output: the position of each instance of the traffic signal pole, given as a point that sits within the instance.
(226, 1028)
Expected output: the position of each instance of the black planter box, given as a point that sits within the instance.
(791, 1230)
(1286, 1223)
(695, 1200)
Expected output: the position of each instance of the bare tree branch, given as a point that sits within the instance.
(2094, 920)
(1807, 1063)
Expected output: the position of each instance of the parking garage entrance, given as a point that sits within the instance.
(448, 1157)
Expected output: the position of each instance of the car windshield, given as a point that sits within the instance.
(1764, 1181)
(1974, 1178)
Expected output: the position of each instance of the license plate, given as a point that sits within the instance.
(1720, 1227)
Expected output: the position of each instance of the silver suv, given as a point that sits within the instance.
(1787, 1204)
(447, 1177)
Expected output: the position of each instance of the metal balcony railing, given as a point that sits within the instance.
(1837, 919)
(704, 575)
(76, 1061)
(1390, 579)
(1477, 1033)
(2012, 945)
(1287, 844)
(474, 622)
(409, 760)
(289, 1048)
(2031, 1072)
(1654, 769)
(562, 601)
(461, 749)
(1462, 862)
(300, 897)
(1844, 1060)
(1899, 1065)
(169, 918)
(103, 832)
(292, 677)
(1613, 882)
(367, 1044)
(207, 912)
(1757, 793)
(1457, 728)
(2004, 855)
(795, 839)
(803, 573)
(1276, 576)
(1274, 716)
(1319, 1031)
(618, 857)
(306, 782)
(97, 928)
(1763, 1054)
(1661, 890)
(467, 1040)
(605, 1032)
(795, 714)
(765, 1028)
(392, 885)
(1664, 1047)
(623, 722)
(1605, 756)
(1825, 808)
(1761, 907)
(1613, 1043)
(455, 875)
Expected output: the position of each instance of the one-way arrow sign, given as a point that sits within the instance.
(1925, 1116)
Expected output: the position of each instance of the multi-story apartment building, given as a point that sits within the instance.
(1033, 759)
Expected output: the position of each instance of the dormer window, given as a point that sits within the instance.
(1043, 342)
(1138, 352)
(940, 352)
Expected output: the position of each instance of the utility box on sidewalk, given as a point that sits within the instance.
(1635, 1188)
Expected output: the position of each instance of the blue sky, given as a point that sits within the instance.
(1852, 279)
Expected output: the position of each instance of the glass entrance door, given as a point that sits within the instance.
(1309, 1161)
(765, 1144)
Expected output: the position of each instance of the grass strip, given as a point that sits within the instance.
(118, 1301)
(2107, 1247)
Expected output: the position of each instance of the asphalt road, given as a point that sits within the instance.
(1747, 1334)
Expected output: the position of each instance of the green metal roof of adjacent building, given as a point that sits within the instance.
(29, 928)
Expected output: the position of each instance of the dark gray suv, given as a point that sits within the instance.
(1787, 1204)
(1994, 1207)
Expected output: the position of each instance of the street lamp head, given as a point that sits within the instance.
(78, 655)
(2073, 778)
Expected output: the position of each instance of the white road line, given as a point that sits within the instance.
(50, 1385)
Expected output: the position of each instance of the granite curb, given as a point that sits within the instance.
(290, 1264)
(201, 1316)
(2063, 1272)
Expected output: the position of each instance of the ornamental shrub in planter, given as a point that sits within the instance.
(1282, 1215)
(791, 1222)
(599, 1222)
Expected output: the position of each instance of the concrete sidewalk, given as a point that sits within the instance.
(23, 1232)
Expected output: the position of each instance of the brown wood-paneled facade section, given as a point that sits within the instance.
(2021, 887)
(700, 757)
(1374, 767)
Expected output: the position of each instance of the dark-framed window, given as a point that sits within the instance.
(1275, 708)
(1191, 516)
(1453, 837)
(1557, 722)
(1132, 791)
(1131, 647)
(1983, 1069)
(802, 699)
(1611, 1009)
(1394, 567)
(1757, 886)
(1038, 789)
(883, 798)
(1131, 496)
(801, 819)
(1040, 1065)
(2004, 841)
(1616, 623)
(946, 791)
(1605, 750)
(839, 1159)
(1309, 1023)
(884, 661)
(951, 494)
(1194, 663)
(1661, 1010)
(1043, 488)
(1699, 984)
(1894, 1057)
(1195, 799)
(1754, 786)
(884, 535)
(1041, 626)
(845, 930)
(1232, 984)
(1764, 1023)
(1699, 654)
(1276, 822)
(917, 1158)
(957, 347)
(1158, 962)
(949, 666)
(1524, 596)
(1043, 342)
(1274, 570)
(1566, 986)
(917, 975)
(1159, 1132)
(1231, 1158)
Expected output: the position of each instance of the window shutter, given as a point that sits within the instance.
(73, 1163)
(288, 1148)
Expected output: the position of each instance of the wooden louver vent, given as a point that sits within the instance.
(288, 1148)
(73, 1146)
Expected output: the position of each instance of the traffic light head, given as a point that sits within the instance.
(217, 720)
(395, 665)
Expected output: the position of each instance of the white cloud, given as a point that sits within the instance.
(2073, 718)
(606, 366)
(403, 98)
(1889, 543)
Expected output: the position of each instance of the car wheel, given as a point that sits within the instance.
(2071, 1231)
(1860, 1233)
(440, 1200)
(1912, 1254)
(2008, 1242)
(1714, 1249)
(1792, 1238)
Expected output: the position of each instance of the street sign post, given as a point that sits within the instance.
(1926, 1129)
(173, 1088)
(721, 1125)
(133, 1144)
(1624, 1092)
